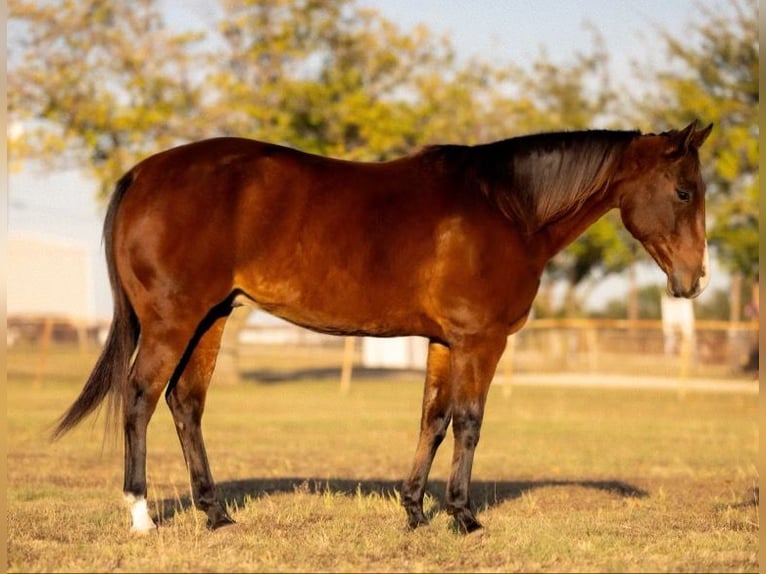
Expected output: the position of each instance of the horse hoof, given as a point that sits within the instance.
(141, 522)
(143, 530)
(415, 518)
(466, 524)
(476, 529)
(415, 522)
(219, 521)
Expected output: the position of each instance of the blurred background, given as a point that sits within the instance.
(95, 86)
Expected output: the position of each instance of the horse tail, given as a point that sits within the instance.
(111, 370)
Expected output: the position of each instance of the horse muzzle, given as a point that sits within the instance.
(689, 284)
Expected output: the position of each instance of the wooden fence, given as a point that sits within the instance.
(714, 349)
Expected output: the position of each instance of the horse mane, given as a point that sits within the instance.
(536, 179)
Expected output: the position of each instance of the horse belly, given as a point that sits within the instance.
(336, 278)
(336, 304)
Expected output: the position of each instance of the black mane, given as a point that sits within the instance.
(538, 178)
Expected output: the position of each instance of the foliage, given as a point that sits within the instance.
(648, 298)
(339, 80)
(97, 84)
(715, 306)
(714, 77)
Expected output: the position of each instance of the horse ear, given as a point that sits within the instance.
(681, 141)
(700, 136)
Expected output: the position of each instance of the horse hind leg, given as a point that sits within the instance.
(161, 348)
(186, 400)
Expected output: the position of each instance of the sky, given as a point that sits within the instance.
(62, 205)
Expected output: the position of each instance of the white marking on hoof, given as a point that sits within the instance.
(142, 522)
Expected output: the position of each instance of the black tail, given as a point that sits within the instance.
(111, 370)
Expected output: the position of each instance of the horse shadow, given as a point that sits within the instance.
(485, 494)
(271, 376)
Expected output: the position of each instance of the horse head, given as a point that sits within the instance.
(662, 204)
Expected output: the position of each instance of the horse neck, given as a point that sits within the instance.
(556, 235)
(553, 185)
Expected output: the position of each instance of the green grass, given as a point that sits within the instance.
(564, 480)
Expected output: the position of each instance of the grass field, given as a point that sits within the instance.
(565, 479)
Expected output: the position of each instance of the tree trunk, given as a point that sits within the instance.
(545, 297)
(227, 368)
(632, 293)
(571, 304)
(736, 351)
(735, 303)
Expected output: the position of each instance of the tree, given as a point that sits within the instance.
(98, 84)
(648, 300)
(339, 80)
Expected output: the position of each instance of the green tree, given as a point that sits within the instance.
(576, 95)
(340, 80)
(648, 299)
(98, 84)
(603, 249)
(716, 306)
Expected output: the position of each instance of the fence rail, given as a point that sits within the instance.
(711, 348)
(597, 346)
(607, 346)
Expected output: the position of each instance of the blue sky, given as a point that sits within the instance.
(61, 204)
(515, 29)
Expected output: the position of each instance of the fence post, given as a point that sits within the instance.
(45, 349)
(348, 359)
(508, 366)
(227, 365)
(686, 360)
(591, 337)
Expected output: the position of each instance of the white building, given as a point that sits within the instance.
(395, 353)
(49, 278)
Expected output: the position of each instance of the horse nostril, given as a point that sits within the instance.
(672, 287)
(675, 288)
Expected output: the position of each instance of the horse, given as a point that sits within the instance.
(447, 243)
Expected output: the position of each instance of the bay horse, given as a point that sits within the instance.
(448, 243)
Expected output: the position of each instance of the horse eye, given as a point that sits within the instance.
(683, 195)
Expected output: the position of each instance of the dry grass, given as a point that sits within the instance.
(565, 480)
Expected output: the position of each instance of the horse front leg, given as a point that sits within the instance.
(472, 366)
(434, 421)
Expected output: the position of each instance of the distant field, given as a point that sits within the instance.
(566, 479)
